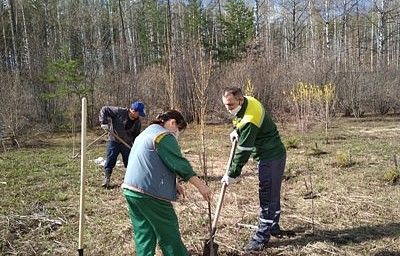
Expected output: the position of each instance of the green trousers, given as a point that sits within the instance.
(154, 220)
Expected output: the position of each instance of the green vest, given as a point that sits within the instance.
(258, 136)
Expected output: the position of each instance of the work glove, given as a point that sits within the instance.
(105, 127)
(234, 135)
(228, 180)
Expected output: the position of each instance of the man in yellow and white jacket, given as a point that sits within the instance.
(257, 136)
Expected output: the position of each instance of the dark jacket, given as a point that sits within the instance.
(126, 128)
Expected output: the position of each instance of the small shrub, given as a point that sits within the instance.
(316, 151)
(292, 142)
(320, 186)
(392, 176)
(343, 159)
(290, 172)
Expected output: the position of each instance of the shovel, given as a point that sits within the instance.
(120, 139)
(93, 142)
(210, 247)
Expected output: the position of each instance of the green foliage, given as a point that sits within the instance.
(151, 30)
(66, 84)
(392, 176)
(66, 80)
(292, 142)
(237, 29)
(194, 20)
(321, 185)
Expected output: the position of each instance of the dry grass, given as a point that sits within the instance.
(352, 210)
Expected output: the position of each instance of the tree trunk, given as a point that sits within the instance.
(170, 72)
(327, 19)
(112, 40)
(27, 54)
(123, 47)
(312, 35)
(11, 11)
(372, 48)
(257, 19)
(6, 55)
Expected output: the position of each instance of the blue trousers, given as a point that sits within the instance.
(113, 149)
(270, 173)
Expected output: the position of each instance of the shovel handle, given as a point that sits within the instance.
(223, 189)
(120, 139)
(88, 146)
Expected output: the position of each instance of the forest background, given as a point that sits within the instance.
(179, 54)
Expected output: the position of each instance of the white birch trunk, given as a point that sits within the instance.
(398, 46)
(27, 54)
(345, 52)
(336, 46)
(47, 30)
(15, 65)
(257, 19)
(372, 48)
(327, 25)
(6, 54)
(59, 26)
(169, 52)
(129, 42)
(110, 23)
(100, 51)
(15, 93)
(381, 32)
(388, 45)
(268, 34)
(312, 36)
(123, 47)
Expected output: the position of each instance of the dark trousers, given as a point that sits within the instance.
(270, 174)
(113, 149)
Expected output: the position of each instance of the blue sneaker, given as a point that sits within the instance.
(254, 246)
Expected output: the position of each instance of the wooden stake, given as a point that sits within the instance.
(83, 166)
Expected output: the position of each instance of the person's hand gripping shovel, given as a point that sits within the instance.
(210, 247)
(106, 127)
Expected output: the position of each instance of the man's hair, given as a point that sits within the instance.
(171, 114)
(235, 91)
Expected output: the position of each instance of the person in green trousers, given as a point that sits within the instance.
(150, 184)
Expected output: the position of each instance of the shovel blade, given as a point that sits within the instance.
(210, 248)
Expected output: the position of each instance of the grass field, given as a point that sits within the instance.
(338, 197)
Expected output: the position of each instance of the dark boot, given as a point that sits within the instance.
(276, 231)
(254, 246)
(107, 179)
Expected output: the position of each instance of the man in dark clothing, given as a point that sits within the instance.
(125, 125)
(257, 135)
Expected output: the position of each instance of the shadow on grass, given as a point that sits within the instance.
(387, 253)
(338, 237)
(345, 236)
